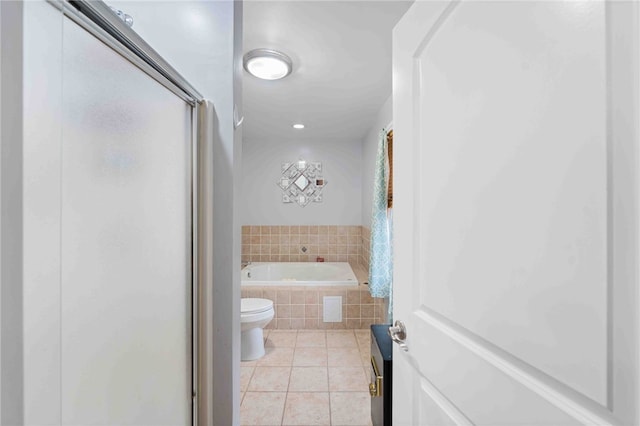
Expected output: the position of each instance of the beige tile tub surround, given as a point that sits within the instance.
(301, 307)
(285, 243)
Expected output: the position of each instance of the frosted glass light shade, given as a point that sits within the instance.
(267, 64)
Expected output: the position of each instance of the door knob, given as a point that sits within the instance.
(398, 333)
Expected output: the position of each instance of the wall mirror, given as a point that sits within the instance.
(301, 182)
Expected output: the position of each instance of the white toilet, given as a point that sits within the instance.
(255, 314)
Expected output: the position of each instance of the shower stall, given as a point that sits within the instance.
(113, 145)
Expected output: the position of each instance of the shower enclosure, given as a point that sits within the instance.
(111, 213)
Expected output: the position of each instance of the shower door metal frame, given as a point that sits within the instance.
(97, 18)
(122, 38)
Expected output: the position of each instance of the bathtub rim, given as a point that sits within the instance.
(300, 283)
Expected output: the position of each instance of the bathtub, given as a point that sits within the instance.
(294, 274)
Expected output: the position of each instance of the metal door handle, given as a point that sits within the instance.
(398, 333)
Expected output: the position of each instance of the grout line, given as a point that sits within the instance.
(286, 395)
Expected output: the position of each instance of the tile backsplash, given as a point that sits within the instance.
(305, 243)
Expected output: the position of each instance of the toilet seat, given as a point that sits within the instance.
(255, 306)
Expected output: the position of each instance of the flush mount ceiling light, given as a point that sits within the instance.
(298, 126)
(267, 64)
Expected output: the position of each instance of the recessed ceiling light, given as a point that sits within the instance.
(267, 64)
(298, 126)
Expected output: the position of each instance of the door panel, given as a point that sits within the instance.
(515, 188)
(504, 266)
(125, 242)
(430, 410)
(463, 369)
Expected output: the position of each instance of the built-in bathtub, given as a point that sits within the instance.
(298, 290)
(294, 274)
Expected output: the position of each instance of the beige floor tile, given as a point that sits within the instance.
(308, 379)
(262, 408)
(310, 357)
(281, 339)
(350, 408)
(365, 356)
(364, 339)
(311, 339)
(362, 334)
(344, 357)
(307, 408)
(276, 357)
(245, 375)
(341, 339)
(347, 379)
(270, 379)
(264, 383)
(364, 347)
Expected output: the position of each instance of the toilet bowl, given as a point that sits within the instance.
(255, 314)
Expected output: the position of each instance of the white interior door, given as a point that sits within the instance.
(516, 213)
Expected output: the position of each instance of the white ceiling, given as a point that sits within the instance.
(341, 53)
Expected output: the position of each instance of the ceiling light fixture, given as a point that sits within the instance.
(267, 64)
(298, 126)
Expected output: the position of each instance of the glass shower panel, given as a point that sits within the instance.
(126, 243)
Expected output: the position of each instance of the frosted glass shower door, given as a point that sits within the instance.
(125, 242)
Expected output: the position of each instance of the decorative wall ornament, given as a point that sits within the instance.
(301, 182)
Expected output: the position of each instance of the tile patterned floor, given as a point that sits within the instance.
(308, 377)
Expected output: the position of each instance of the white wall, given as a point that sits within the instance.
(369, 151)
(11, 381)
(261, 198)
(348, 167)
